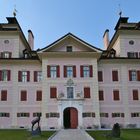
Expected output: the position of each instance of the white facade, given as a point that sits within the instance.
(82, 86)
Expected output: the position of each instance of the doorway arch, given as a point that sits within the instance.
(70, 118)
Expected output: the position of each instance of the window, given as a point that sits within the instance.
(131, 42)
(37, 114)
(24, 76)
(47, 115)
(116, 95)
(69, 48)
(23, 95)
(100, 76)
(134, 75)
(132, 54)
(114, 75)
(6, 54)
(86, 92)
(53, 92)
(39, 95)
(5, 75)
(4, 95)
(70, 92)
(86, 71)
(88, 114)
(23, 114)
(135, 95)
(37, 76)
(26, 55)
(102, 114)
(4, 114)
(53, 71)
(54, 115)
(69, 71)
(135, 114)
(6, 41)
(117, 115)
(101, 95)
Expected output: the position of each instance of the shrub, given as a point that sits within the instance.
(116, 132)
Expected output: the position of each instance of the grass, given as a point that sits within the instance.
(23, 135)
(126, 134)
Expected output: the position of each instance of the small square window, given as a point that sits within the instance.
(69, 48)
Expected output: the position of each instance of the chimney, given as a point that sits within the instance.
(106, 38)
(31, 39)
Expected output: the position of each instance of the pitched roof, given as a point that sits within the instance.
(73, 36)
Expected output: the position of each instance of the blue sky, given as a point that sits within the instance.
(51, 19)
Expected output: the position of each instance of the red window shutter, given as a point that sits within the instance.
(9, 75)
(91, 71)
(0, 75)
(101, 95)
(53, 92)
(81, 71)
(100, 76)
(48, 71)
(86, 92)
(114, 75)
(4, 95)
(74, 71)
(39, 95)
(58, 71)
(35, 76)
(23, 96)
(135, 95)
(65, 71)
(138, 75)
(28, 76)
(116, 95)
(130, 77)
(19, 76)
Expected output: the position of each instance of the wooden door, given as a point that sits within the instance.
(73, 118)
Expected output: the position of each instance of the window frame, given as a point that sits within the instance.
(23, 95)
(135, 94)
(116, 95)
(70, 95)
(69, 49)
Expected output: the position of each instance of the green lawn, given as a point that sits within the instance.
(126, 134)
(23, 135)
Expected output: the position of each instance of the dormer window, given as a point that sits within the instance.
(6, 54)
(25, 55)
(132, 54)
(69, 48)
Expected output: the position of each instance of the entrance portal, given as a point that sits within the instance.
(70, 117)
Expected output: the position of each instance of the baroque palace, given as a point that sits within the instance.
(71, 83)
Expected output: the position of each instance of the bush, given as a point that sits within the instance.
(116, 132)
